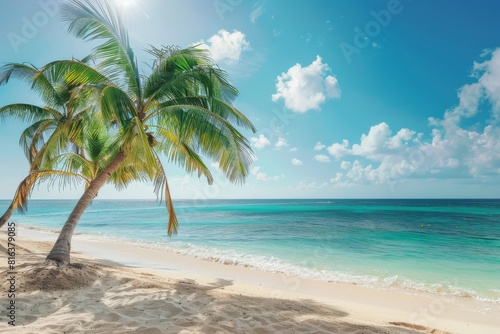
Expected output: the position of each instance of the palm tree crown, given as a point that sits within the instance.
(182, 110)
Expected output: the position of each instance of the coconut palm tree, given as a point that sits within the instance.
(54, 128)
(182, 110)
(64, 142)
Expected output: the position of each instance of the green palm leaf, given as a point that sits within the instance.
(91, 22)
(26, 112)
(161, 188)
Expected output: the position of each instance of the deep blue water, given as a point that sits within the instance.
(449, 247)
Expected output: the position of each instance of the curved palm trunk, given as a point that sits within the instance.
(21, 196)
(7, 214)
(61, 250)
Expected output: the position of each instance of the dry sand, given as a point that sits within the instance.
(187, 295)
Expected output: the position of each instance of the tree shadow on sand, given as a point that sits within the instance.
(96, 298)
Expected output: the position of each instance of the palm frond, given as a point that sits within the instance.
(25, 112)
(33, 137)
(96, 141)
(186, 72)
(74, 73)
(135, 142)
(115, 56)
(25, 188)
(212, 135)
(66, 132)
(19, 71)
(116, 104)
(182, 154)
(161, 187)
(76, 164)
(60, 178)
(217, 106)
(23, 192)
(37, 80)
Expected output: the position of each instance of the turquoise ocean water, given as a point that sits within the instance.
(445, 247)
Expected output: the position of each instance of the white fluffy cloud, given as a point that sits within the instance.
(296, 162)
(322, 158)
(281, 143)
(306, 88)
(227, 47)
(319, 146)
(485, 89)
(489, 79)
(451, 151)
(261, 176)
(339, 150)
(260, 142)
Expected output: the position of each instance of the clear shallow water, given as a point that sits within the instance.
(449, 247)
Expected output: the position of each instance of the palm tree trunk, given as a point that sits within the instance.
(21, 196)
(7, 214)
(62, 248)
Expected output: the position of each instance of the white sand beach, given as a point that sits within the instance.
(162, 292)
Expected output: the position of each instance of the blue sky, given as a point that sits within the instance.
(351, 99)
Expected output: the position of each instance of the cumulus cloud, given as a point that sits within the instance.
(339, 150)
(485, 90)
(332, 87)
(489, 79)
(401, 138)
(374, 142)
(306, 88)
(319, 146)
(281, 143)
(293, 149)
(296, 162)
(260, 142)
(322, 158)
(345, 164)
(261, 176)
(226, 46)
(452, 150)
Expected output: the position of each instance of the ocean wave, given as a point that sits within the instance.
(276, 265)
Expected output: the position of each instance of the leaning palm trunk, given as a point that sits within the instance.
(21, 197)
(7, 214)
(62, 248)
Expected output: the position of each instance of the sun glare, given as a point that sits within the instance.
(125, 3)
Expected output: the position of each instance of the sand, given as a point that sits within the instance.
(173, 293)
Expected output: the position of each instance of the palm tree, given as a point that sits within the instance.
(60, 121)
(77, 145)
(182, 109)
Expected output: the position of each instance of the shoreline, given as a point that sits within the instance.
(442, 290)
(359, 306)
